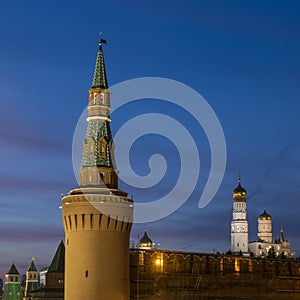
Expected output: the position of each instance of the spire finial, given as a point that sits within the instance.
(265, 206)
(100, 80)
(102, 41)
(239, 176)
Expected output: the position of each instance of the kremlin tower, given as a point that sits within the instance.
(32, 280)
(97, 216)
(12, 288)
(239, 223)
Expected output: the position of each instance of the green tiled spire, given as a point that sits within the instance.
(100, 79)
(32, 267)
(58, 261)
(97, 133)
(13, 270)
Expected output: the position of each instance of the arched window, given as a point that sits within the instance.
(101, 99)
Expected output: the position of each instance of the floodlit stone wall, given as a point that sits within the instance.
(163, 275)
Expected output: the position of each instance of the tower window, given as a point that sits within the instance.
(86, 274)
(238, 244)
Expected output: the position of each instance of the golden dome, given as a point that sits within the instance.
(239, 190)
(264, 216)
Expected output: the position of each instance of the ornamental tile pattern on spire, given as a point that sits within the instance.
(58, 262)
(97, 145)
(100, 79)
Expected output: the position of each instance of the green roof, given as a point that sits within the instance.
(13, 270)
(58, 262)
(32, 267)
(100, 79)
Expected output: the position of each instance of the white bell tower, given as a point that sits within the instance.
(239, 223)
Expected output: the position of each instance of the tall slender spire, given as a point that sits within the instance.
(97, 166)
(100, 79)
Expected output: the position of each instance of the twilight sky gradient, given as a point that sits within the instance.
(243, 58)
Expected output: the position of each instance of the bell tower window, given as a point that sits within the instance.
(95, 98)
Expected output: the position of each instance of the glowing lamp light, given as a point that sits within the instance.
(158, 262)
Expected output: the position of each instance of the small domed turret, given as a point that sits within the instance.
(145, 242)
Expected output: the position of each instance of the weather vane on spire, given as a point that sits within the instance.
(102, 41)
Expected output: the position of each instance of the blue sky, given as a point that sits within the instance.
(243, 57)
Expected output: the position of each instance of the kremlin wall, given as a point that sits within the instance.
(169, 275)
(95, 261)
